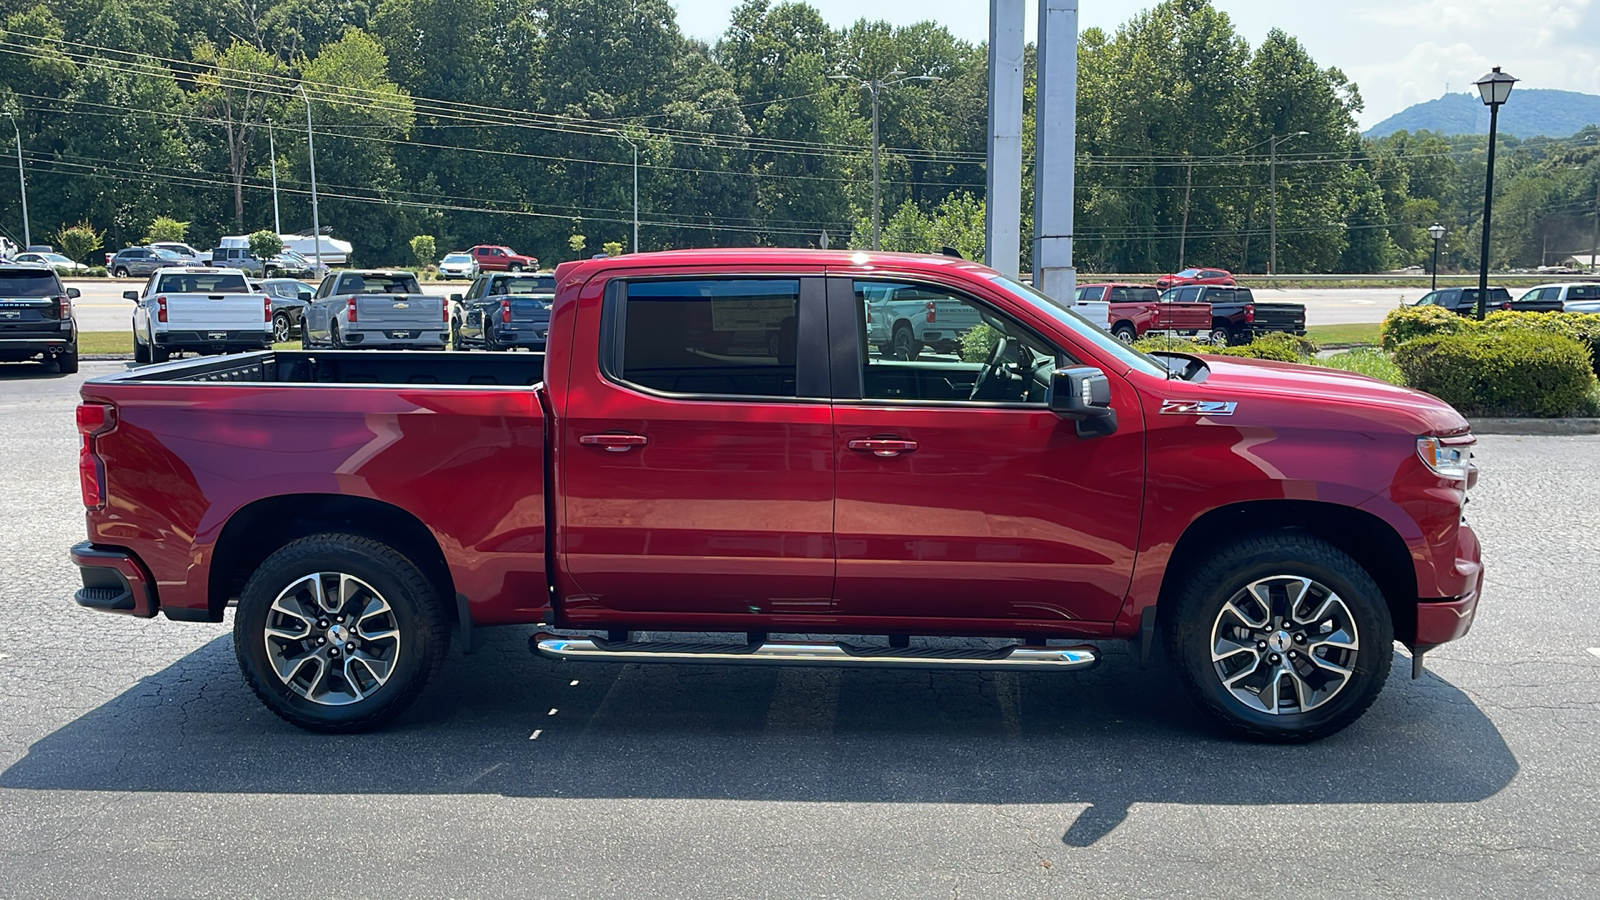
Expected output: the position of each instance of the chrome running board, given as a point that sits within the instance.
(799, 653)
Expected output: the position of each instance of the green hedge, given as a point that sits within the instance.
(1581, 327)
(1275, 346)
(1501, 372)
(1411, 322)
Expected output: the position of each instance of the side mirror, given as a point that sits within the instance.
(73, 293)
(455, 298)
(131, 295)
(1083, 394)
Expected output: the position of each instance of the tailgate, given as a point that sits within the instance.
(1183, 316)
(216, 312)
(530, 310)
(414, 310)
(28, 316)
(1280, 315)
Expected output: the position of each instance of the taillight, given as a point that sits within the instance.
(869, 315)
(63, 307)
(933, 312)
(266, 309)
(444, 312)
(505, 312)
(350, 309)
(1249, 313)
(161, 308)
(94, 420)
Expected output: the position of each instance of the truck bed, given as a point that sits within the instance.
(347, 367)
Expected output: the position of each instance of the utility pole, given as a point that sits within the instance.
(1002, 208)
(1272, 258)
(27, 236)
(1183, 232)
(1594, 240)
(1054, 149)
(272, 147)
(875, 86)
(311, 152)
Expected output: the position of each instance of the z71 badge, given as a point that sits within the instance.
(1197, 407)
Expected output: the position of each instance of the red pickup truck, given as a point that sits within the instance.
(495, 258)
(1137, 310)
(712, 444)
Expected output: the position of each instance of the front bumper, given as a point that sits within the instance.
(1447, 619)
(114, 580)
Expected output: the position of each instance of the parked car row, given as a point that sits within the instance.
(1220, 314)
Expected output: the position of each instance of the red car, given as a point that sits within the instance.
(1195, 276)
(496, 258)
(712, 443)
(1137, 310)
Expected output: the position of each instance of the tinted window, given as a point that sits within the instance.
(711, 336)
(203, 283)
(1143, 295)
(380, 284)
(537, 284)
(1584, 292)
(1187, 294)
(29, 283)
(1084, 294)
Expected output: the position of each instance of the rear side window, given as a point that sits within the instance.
(203, 283)
(1187, 295)
(732, 336)
(1584, 292)
(29, 283)
(1143, 295)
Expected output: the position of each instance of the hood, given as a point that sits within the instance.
(1334, 389)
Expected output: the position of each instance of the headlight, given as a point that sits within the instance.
(1448, 457)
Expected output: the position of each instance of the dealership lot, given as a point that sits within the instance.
(134, 760)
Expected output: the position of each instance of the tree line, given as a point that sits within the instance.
(519, 122)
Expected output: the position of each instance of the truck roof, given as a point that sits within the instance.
(389, 272)
(769, 256)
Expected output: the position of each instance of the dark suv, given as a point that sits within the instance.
(1465, 300)
(36, 317)
(138, 262)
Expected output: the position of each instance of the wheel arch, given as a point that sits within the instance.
(1366, 538)
(258, 529)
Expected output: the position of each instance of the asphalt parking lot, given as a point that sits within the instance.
(134, 761)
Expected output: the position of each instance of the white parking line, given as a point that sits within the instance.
(1595, 650)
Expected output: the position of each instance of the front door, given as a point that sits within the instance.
(698, 461)
(960, 495)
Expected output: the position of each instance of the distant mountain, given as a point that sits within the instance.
(1529, 113)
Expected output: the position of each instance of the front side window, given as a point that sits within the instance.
(733, 336)
(930, 344)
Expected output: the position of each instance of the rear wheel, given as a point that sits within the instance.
(904, 344)
(339, 633)
(1125, 333)
(119, 272)
(141, 352)
(455, 336)
(514, 267)
(1281, 638)
(1221, 334)
(333, 336)
(67, 363)
(281, 328)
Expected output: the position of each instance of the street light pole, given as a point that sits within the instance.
(27, 236)
(1272, 260)
(1495, 89)
(1436, 231)
(272, 147)
(875, 86)
(311, 152)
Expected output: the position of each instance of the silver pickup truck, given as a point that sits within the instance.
(357, 308)
(200, 310)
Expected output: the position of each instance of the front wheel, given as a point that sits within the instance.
(281, 328)
(338, 633)
(1281, 638)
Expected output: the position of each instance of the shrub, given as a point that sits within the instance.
(265, 244)
(1276, 346)
(78, 241)
(1517, 373)
(94, 272)
(977, 343)
(425, 249)
(1368, 361)
(1581, 327)
(168, 229)
(1411, 322)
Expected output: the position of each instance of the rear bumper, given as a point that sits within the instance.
(38, 344)
(1445, 620)
(398, 337)
(212, 340)
(114, 580)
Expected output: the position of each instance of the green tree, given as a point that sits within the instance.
(265, 244)
(166, 228)
(78, 241)
(242, 87)
(424, 250)
(576, 243)
(612, 248)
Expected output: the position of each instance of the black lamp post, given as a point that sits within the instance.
(1495, 88)
(1436, 231)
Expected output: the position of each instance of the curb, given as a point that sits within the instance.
(1534, 426)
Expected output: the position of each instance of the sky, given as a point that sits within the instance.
(1399, 52)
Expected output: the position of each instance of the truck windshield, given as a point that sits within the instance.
(1081, 326)
(203, 283)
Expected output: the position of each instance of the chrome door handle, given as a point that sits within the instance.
(883, 446)
(614, 443)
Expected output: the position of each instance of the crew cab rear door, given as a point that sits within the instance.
(696, 452)
(961, 497)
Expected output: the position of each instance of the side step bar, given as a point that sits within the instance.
(805, 653)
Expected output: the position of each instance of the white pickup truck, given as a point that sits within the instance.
(199, 310)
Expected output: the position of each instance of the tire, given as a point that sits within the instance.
(295, 663)
(67, 363)
(1341, 617)
(514, 267)
(141, 353)
(333, 336)
(158, 354)
(1125, 333)
(904, 345)
(119, 272)
(1221, 334)
(455, 337)
(281, 328)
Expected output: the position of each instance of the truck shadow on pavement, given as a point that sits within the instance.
(503, 722)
